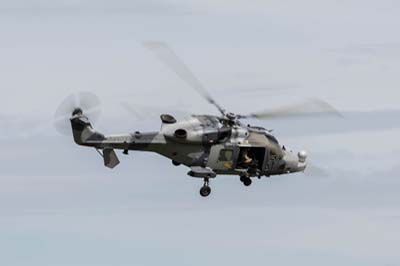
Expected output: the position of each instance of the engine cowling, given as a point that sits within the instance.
(180, 133)
(196, 131)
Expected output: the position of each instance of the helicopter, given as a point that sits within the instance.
(209, 145)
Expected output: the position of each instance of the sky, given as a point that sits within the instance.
(60, 206)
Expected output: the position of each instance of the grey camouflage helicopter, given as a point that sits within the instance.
(209, 145)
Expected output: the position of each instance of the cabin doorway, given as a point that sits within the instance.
(251, 158)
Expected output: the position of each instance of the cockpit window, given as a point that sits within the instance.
(272, 139)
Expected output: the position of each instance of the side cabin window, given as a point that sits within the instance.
(225, 155)
(273, 156)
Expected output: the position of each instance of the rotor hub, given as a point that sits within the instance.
(231, 116)
(77, 111)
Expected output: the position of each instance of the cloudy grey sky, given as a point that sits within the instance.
(59, 206)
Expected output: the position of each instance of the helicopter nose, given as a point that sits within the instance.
(295, 163)
(302, 155)
(302, 158)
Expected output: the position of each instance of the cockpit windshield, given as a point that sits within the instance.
(272, 138)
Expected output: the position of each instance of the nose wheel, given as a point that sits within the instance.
(205, 190)
(245, 180)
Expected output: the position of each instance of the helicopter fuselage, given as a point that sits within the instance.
(208, 144)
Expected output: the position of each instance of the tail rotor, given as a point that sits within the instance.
(79, 103)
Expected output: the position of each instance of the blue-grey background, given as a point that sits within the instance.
(60, 206)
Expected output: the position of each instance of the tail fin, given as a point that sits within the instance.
(82, 130)
(85, 135)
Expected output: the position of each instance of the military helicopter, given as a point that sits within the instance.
(209, 145)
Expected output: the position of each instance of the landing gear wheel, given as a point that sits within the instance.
(205, 191)
(175, 163)
(247, 181)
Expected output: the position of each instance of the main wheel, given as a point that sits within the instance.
(175, 163)
(247, 181)
(205, 191)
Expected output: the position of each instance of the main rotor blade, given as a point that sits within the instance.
(140, 112)
(166, 55)
(315, 171)
(310, 107)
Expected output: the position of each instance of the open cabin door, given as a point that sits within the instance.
(251, 158)
(231, 158)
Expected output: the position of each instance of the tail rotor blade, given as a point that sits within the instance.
(87, 101)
